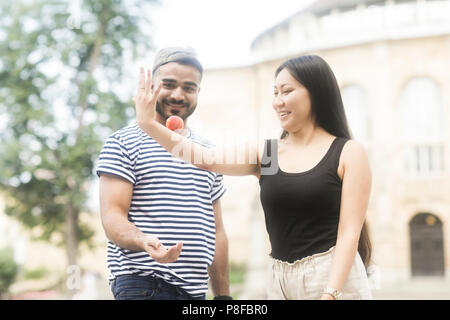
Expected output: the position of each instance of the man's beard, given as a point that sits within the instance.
(165, 115)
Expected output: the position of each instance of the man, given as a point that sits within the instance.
(161, 215)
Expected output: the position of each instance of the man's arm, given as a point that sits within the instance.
(115, 200)
(219, 270)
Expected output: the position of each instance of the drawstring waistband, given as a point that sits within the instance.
(291, 265)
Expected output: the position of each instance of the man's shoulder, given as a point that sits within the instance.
(128, 133)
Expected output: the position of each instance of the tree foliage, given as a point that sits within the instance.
(8, 269)
(61, 70)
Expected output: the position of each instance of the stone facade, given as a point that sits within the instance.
(406, 41)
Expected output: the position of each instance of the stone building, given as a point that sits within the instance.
(391, 61)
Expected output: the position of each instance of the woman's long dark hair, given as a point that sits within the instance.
(327, 108)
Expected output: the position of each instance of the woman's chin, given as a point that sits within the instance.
(286, 126)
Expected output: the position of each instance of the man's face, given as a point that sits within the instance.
(179, 91)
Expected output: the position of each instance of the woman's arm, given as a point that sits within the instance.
(183, 148)
(356, 186)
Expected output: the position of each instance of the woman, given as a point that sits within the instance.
(315, 200)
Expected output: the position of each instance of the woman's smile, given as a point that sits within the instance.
(283, 114)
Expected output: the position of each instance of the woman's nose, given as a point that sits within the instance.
(277, 102)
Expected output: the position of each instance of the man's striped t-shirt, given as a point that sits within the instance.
(172, 200)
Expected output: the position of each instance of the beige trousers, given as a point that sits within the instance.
(306, 278)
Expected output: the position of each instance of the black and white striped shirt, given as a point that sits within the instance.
(171, 200)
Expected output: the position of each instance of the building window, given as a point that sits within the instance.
(421, 127)
(356, 110)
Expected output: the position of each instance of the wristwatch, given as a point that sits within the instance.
(336, 294)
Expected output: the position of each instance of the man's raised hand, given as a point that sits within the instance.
(145, 99)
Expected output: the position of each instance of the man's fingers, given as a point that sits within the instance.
(141, 79)
(156, 244)
(148, 83)
(175, 249)
(156, 92)
(174, 252)
(163, 255)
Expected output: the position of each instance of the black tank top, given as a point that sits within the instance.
(301, 209)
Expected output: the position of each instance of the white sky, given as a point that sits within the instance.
(221, 31)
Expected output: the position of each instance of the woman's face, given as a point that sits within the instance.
(291, 102)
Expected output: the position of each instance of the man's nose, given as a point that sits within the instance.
(177, 94)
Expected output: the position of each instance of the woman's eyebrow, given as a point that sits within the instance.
(284, 84)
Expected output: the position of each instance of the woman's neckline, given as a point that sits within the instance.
(322, 160)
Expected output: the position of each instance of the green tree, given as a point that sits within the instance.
(8, 270)
(62, 67)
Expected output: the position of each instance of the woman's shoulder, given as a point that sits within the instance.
(353, 151)
(354, 146)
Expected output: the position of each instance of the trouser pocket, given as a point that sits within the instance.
(134, 288)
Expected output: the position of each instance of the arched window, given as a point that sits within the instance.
(421, 126)
(356, 110)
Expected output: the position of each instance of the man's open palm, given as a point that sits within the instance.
(162, 254)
